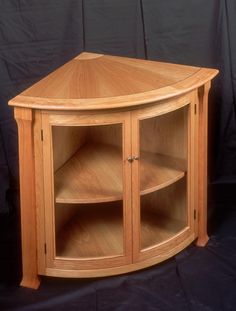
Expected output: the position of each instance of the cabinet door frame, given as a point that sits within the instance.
(175, 244)
(84, 266)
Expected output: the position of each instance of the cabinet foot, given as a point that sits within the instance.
(202, 241)
(30, 282)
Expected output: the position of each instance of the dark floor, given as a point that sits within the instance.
(198, 279)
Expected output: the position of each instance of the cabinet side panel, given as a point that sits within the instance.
(202, 164)
(24, 118)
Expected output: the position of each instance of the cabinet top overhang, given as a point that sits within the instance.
(97, 81)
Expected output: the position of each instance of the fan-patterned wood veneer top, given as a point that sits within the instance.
(97, 81)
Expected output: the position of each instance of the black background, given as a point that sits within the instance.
(38, 36)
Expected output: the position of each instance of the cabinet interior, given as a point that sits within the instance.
(163, 211)
(88, 185)
(88, 231)
(166, 135)
(89, 168)
(163, 214)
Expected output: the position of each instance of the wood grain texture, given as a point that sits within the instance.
(66, 141)
(156, 229)
(62, 270)
(154, 133)
(92, 81)
(24, 118)
(95, 212)
(202, 164)
(94, 174)
(95, 127)
(49, 200)
(193, 158)
(166, 134)
(39, 191)
(191, 198)
(163, 214)
(97, 231)
(94, 231)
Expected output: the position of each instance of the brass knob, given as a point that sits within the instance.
(131, 159)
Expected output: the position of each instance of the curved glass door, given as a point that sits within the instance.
(163, 175)
(88, 189)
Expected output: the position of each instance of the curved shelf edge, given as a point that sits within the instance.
(105, 162)
(163, 185)
(82, 238)
(89, 200)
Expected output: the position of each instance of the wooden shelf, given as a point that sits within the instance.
(158, 171)
(94, 174)
(158, 228)
(91, 234)
(95, 231)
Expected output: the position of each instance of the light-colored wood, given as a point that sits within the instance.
(94, 174)
(97, 231)
(94, 231)
(66, 141)
(52, 214)
(166, 134)
(39, 191)
(107, 134)
(48, 173)
(106, 117)
(158, 171)
(191, 160)
(151, 131)
(92, 81)
(89, 176)
(163, 214)
(202, 165)
(85, 56)
(158, 228)
(68, 271)
(24, 118)
(94, 212)
(63, 213)
(194, 157)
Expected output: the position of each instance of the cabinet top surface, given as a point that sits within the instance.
(97, 81)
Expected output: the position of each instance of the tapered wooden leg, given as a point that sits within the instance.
(202, 165)
(24, 120)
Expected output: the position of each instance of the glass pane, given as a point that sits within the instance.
(88, 190)
(163, 181)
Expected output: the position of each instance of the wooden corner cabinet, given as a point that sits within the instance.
(113, 166)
